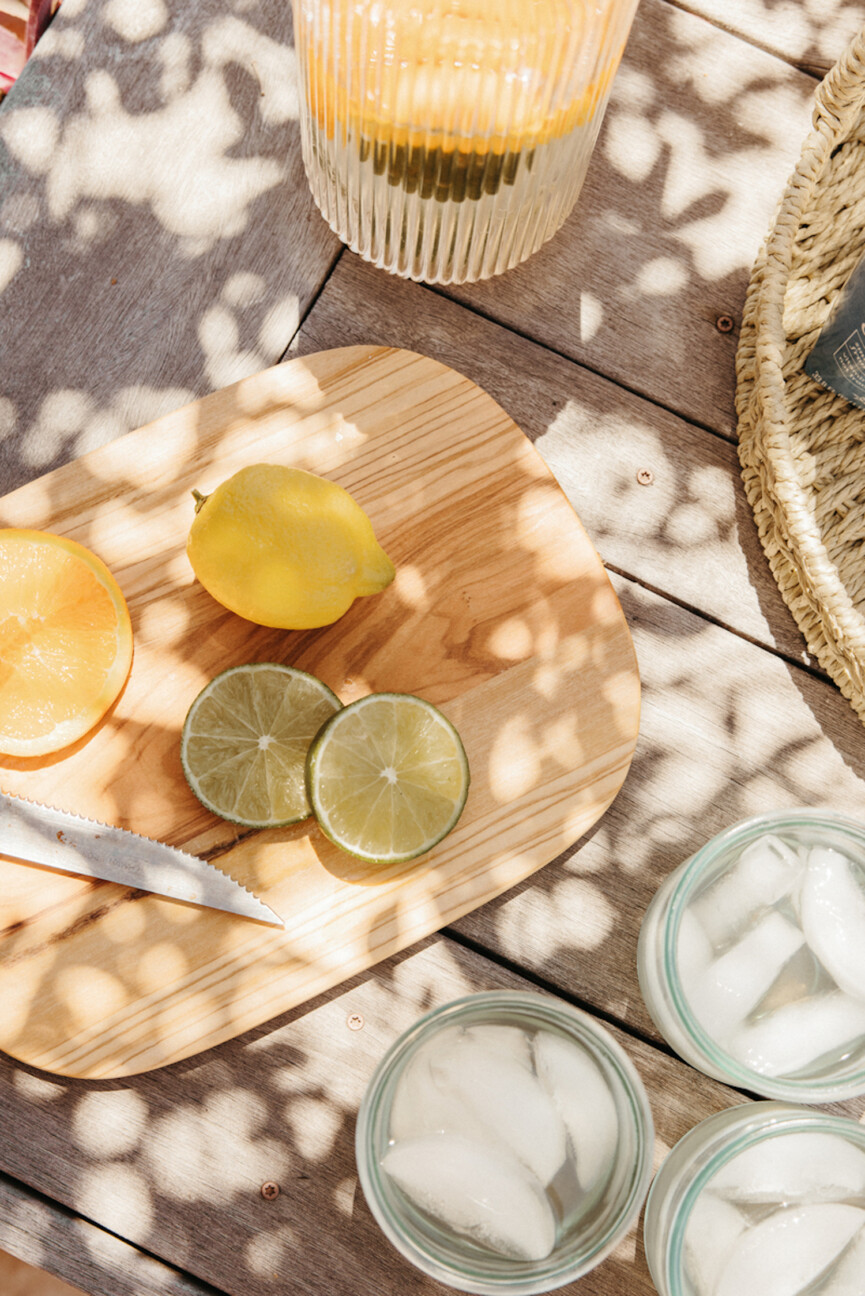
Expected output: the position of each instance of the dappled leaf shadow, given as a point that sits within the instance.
(150, 181)
(660, 244)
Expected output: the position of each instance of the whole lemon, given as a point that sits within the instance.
(284, 547)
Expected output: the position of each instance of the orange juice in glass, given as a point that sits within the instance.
(446, 140)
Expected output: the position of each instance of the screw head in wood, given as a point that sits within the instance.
(725, 323)
(645, 476)
(354, 1021)
(269, 1190)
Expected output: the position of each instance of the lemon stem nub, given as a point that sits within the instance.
(199, 499)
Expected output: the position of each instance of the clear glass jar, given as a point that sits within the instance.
(705, 1204)
(612, 1105)
(446, 140)
(751, 957)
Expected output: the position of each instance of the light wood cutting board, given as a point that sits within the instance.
(501, 614)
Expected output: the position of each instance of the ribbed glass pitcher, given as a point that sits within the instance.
(446, 140)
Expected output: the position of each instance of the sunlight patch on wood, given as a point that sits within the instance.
(107, 153)
(575, 915)
(212, 1152)
(662, 277)
(62, 416)
(109, 1124)
(159, 967)
(136, 22)
(315, 1125)
(344, 1196)
(279, 325)
(174, 55)
(285, 387)
(124, 924)
(11, 260)
(410, 586)
(591, 315)
(119, 1197)
(735, 183)
(244, 289)
(37, 1088)
(632, 146)
(219, 336)
(511, 640)
(515, 760)
(272, 64)
(89, 994)
(267, 1252)
(31, 135)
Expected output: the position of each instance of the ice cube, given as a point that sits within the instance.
(798, 1168)
(508, 1100)
(509, 1040)
(801, 976)
(478, 1191)
(693, 947)
(421, 1105)
(583, 1100)
(833, 918)
(764, 873)
(847, 1278)
(791, 1038)
(788, 1250)
(735, 983)
(713, 1228)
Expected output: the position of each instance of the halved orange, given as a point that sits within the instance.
(65, 641)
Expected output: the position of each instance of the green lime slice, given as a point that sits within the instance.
(387, 777)
(245, 739)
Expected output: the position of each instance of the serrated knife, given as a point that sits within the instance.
(59, 839)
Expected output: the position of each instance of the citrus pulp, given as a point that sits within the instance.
(65, 641)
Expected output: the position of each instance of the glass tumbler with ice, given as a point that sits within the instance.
(751, 957)
(504, 1143)
(765, 1199)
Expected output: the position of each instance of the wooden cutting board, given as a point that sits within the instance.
(501, 614)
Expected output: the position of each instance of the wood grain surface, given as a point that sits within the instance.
(812, 36)
(154, 219)
(501, 613)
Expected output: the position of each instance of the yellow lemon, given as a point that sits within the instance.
(285, 548)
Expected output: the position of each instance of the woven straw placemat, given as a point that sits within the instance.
(802, 448)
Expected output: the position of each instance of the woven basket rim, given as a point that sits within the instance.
(839, 101)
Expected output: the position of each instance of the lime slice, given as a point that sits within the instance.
(387, 777)
(245, 740)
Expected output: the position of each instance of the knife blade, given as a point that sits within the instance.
(60, 839)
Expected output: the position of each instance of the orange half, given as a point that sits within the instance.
(65, 641)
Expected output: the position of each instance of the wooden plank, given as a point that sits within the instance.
(689, 534)
(173, 1161)
(727, 731)
(812, 36)
(154, 219)
(52, 1239)
(701, 135)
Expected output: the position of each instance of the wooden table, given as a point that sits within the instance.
(157, 241)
